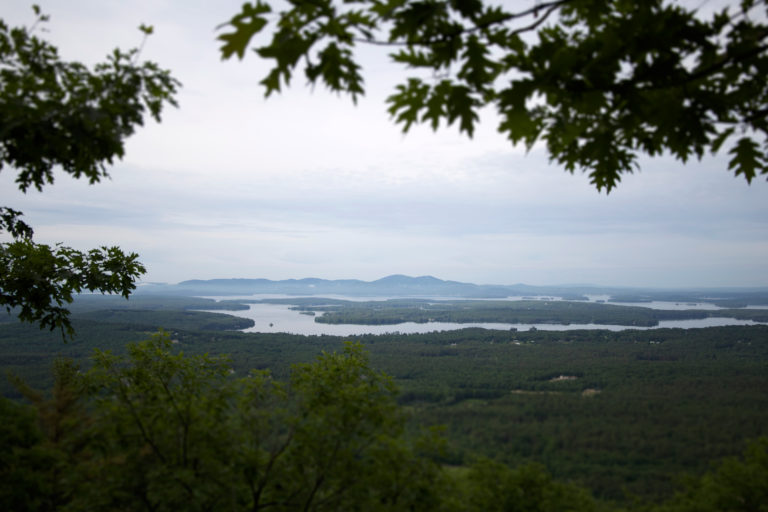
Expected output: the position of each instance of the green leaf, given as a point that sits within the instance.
(40, 279)
(721, 137)
(656, 76)
(461, 105)
(436, 104)
(468, 8)
(406, 104)
(249, 22)
(10, 222)
(747, 159)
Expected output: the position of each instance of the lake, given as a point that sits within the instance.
(273, 318)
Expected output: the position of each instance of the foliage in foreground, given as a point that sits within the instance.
(599, 82)
(60, 114)
(736, 484)
(158, 430)
(163, 431)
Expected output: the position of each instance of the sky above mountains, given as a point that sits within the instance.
(307, 184)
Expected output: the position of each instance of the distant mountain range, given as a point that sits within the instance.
(428, 286)
(398, 285)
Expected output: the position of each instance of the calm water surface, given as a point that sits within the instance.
(280, 318)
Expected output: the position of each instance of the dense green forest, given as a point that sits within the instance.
(621, 414)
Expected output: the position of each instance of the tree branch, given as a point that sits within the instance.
(549, 6)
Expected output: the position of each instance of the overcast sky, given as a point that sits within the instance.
(305, 184)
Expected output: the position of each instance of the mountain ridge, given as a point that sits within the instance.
(400, 285)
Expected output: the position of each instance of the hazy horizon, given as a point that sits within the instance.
(307, 184)
(532, 285)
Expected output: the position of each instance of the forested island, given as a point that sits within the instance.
(396, 311)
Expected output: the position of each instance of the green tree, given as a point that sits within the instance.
(599, 82)
(492, 486)
(21, 463)
(56, 114)
(44, 446)
(735, 485)
(165, 431)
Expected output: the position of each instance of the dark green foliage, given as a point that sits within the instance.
(736, 485)
(62, 113)
(159, 430)
(137, 301)
(491, 486)
(184, 320)
(37, 280)
(40, 475)
(10, 220)
(165, 430)
(644, 406)
(21, 462)
(55, 113)
(599, 82)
